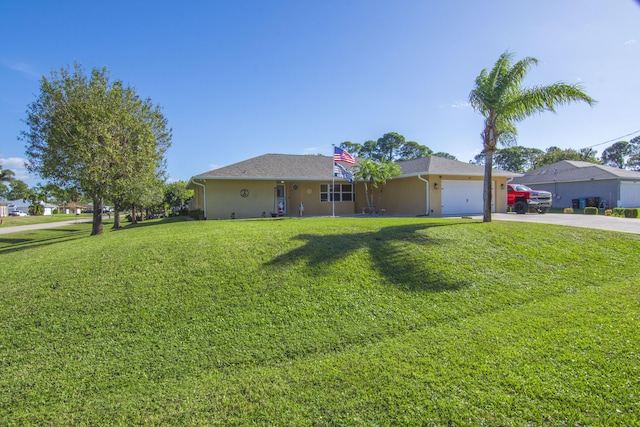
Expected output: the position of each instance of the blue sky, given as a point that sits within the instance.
(241, 78)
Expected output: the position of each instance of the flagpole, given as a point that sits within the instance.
(333, 183)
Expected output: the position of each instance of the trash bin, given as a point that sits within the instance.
(583, 202)
(575, 203)
(593, 201)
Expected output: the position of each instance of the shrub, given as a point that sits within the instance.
(196, 214)
(591, 210)
(568, 210)
(631, 212)
(36, 209)
(618, 212)
(607, 212)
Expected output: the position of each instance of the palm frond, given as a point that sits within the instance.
(546, 98)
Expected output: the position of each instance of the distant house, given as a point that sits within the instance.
(4, 208)
(580, 184)
(71, 208)
(274, 184)
(23, 206)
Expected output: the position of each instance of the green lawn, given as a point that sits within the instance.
(327, 321)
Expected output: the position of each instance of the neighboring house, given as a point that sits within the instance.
(23, 206)
(4, 208)
(264, 185)
(579, 184)
(72, 208)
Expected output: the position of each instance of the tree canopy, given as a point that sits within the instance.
(94, 134)
(389, 148)
(498, 95)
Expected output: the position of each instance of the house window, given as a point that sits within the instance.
(336, 192)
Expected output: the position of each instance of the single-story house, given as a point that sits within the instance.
(72, 208)
(4, 208)
(579, 184)
(23, 206)
(280, 184)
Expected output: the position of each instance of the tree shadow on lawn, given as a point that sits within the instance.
(54, 235)
(392, 250)
(126, 225)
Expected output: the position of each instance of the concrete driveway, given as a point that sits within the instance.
(625, 225)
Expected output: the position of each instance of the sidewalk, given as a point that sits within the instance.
(601, 222)
(29, 227)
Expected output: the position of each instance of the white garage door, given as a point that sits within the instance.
(463, 197)
(629, 195)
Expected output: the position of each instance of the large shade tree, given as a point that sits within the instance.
(82, 131)
(502, 100)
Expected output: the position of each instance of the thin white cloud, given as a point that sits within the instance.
(22, 67)
(461, 104)
(12, 163)
(630, 42)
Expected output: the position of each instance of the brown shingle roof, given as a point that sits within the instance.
(276, 166)
(314, 168)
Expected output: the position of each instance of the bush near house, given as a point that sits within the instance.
(626, 212)
(36, 209)
(591, 210)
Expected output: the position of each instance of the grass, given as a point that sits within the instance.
(10, 221)
(320, 322)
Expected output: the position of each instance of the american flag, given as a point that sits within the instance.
(342, 172)
(340, 155)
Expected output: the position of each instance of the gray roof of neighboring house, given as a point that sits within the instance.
(314, 168)
(575, 171)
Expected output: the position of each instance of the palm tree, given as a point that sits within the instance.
(499, 96)
(375, 174)
(6, 175)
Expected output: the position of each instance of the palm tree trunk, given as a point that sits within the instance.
(487, 196)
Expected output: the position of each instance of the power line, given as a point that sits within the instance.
(614, 139)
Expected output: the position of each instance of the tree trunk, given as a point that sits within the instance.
(488, 166)
(116, 218)
(97, 216)
(366, 195)
(134, 220)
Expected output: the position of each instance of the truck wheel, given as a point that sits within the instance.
(521, 207)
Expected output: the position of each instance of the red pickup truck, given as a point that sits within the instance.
(522, 199)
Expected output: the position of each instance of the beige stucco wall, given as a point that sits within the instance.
(401, 196)
(308, 192)
(224, 198)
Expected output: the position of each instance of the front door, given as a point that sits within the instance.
(281, 200)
